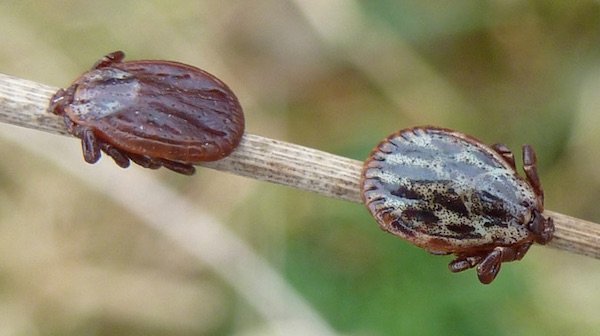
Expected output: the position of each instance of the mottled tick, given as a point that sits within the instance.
(451, 194)
(154, 113)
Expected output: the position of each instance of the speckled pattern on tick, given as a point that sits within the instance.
(449, 193)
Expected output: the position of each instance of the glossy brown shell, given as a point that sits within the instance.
(158, 109)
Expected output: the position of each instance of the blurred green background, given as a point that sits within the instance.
(333, 75)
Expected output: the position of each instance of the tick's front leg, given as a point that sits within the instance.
(530, 168)
(89, 143)
(490, 266)
(108, 60)
(506, 153)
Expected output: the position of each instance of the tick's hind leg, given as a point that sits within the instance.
(152, 163)
(508, 156)
(181, 168)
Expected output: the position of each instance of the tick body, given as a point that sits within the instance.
(155, 113)
(451, 194)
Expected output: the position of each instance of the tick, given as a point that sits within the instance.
(449, 193)
(154, 113)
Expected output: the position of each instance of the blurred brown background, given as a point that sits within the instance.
(333, 75)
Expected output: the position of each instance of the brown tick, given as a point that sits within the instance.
(451, 194)
(154, 113)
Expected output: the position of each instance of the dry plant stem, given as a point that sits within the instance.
(23, 103)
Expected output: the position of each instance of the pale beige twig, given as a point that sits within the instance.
(24, 103)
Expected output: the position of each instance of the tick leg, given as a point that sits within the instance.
(530, 168)
(463, 263)
(89, 144)
(490, 266)
(144, 161)
(151, 163)
(177, 167)
(508, 156)
(108, 60)
(119, 157)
